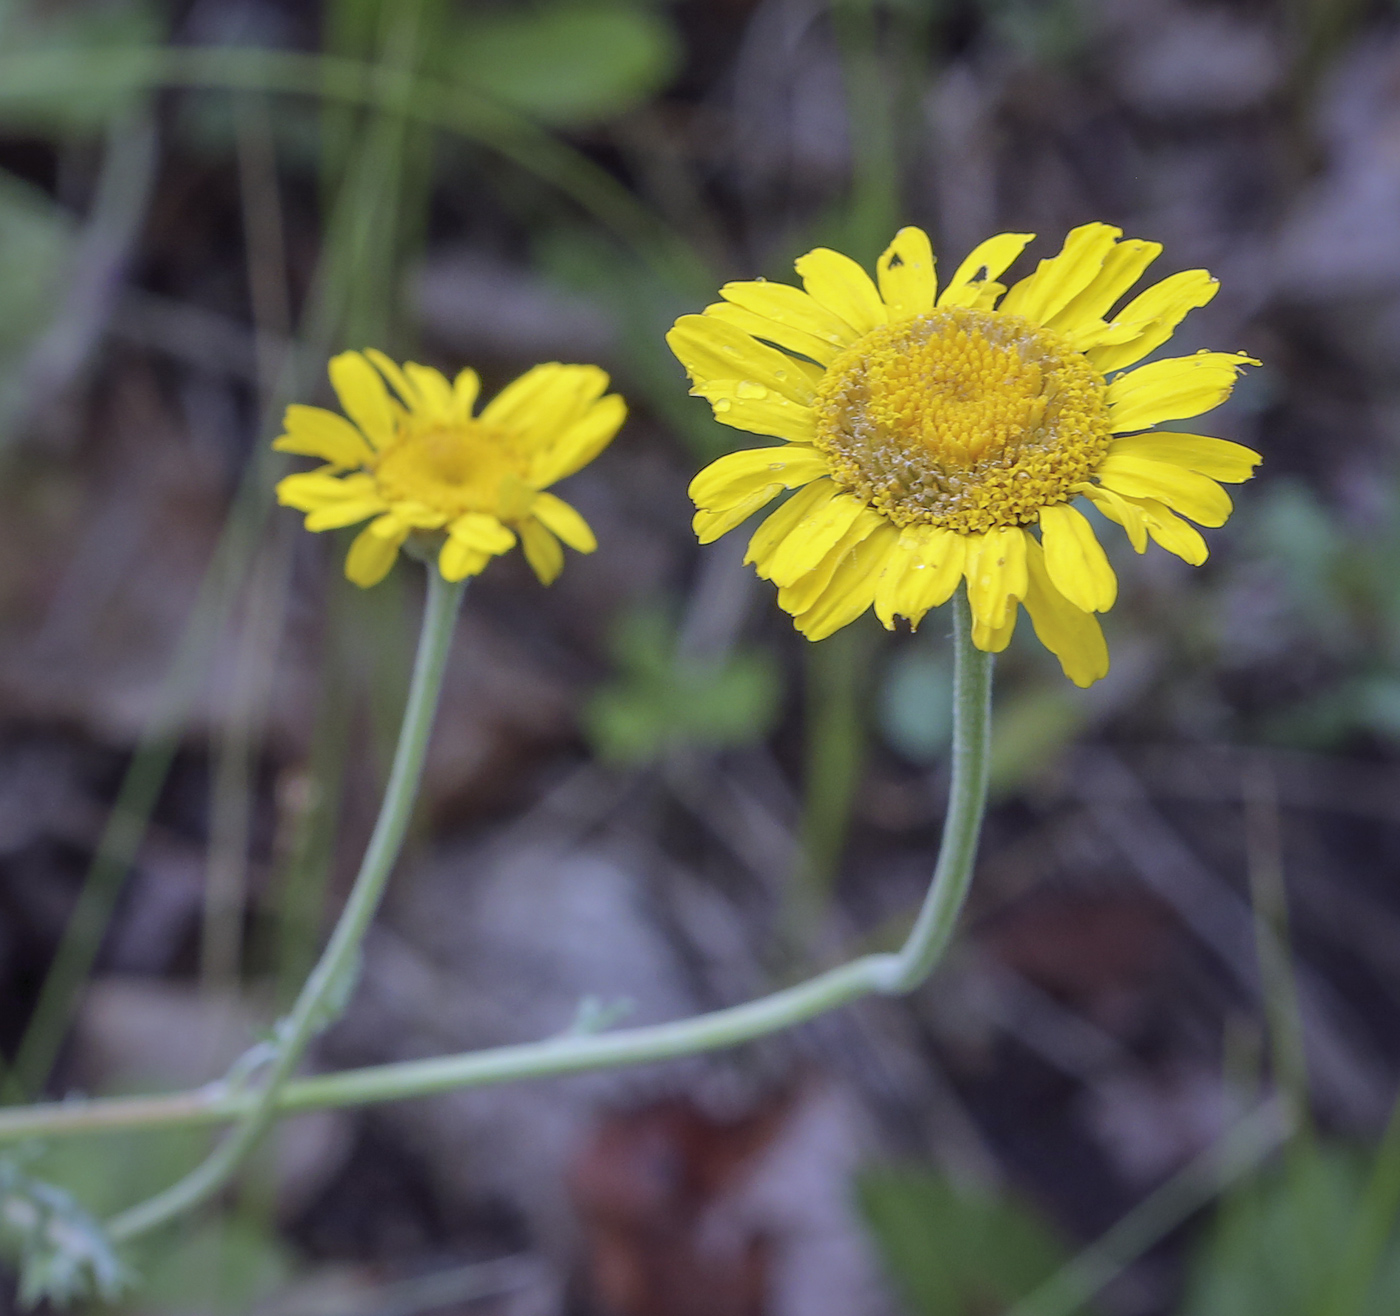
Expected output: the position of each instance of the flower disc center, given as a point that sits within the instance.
(449, 469)
(962, 418)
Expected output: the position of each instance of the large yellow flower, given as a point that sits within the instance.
(421, 463)
(927, 433)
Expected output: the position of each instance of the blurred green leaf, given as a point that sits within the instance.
(226, 1266)
(567, 63)
(1277, 1243)
(90, 36)
(661, 699)
(915, 708)
(36, 240)
(954, 1251)
(1030, 728)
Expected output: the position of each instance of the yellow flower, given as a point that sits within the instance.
(927, 433)
(420, 463)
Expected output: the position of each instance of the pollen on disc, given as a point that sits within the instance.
(962, 418)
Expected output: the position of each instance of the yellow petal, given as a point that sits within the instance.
(1070, 633)
(808, 542)
(545, 401)
(1117, 508)
(1220, 459)
(776, 526)
(714, 349)
(1171, 532)
(348, 511)
(542, 551)
(1075, 559)
(852, 586)
(1157, 312)
(921, 576)
(908, 281)
(465, 389)
(802, 594)
(710, 524)
(785, 336)
(362, 394)
(794, 309)
(934, 563)
(839, 284)
(580, 443)
(1196, 496)
(434, 392)
(308, 490)
(374, 551)
(315, 432)
(389, 368)
(419, 516)
(1059, 280)
(1122, 267)
(754, 409)
(481, 533)
(1172, 389)
(996, 574)
(993, 639)
(559, 517)
(985, 263)
(736, 475)
(457, 560)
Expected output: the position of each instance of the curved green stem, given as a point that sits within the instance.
(967, 802)
(331, 980)
(887, 974)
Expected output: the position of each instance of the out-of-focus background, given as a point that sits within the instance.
(647, 796)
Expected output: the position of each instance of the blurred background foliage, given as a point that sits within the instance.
(645, 790)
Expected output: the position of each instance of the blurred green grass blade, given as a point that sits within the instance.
(145, 777)
(1371, 1229)
(1241, 1150)
(140, 790)
(836, 725)
(452, 109)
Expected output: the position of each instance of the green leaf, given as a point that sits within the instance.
(662, 700)
(1277, 1243)
(916, 703)
(36, 239)
(567, 63)
(954, 1251)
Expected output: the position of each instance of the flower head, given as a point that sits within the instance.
(418, 462)
(928, 434)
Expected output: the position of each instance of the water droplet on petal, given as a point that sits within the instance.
(722, 404)
(749, 389)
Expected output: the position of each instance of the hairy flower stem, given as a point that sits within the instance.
(571, 1053)
(329, 985)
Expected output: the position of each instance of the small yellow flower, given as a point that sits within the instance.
(926, 434)
(421, 463)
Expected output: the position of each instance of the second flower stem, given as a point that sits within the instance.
(333, 977)
(885, 974)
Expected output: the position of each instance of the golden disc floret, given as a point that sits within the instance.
(962, 418)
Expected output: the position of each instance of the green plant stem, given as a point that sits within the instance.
(967, 802)
(882, 974)
(330, 981)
